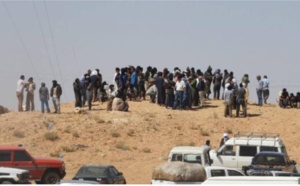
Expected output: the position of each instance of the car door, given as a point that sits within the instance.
(22, 160)
(246, 153)
(227, 156)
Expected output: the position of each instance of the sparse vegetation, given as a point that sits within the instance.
(54, 154)
(19, 134)
(68, 130)
(99, 120)
(203, 132)
(115, 134)
(52, 136)
(75, 134)
(146, 150)
(229, 131)
(68, 149)
(122, 146)
(130, 133)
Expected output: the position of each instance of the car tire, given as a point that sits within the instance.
(124, 182)
(38, 182)
(6, 182)
(51, 177)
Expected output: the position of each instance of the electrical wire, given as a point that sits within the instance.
(44, 39)
(21, 40)
(55, 50)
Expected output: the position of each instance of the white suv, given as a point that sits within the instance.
(239, 150)
(13, 176)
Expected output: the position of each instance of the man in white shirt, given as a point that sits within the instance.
(180, 88)
(20, 92)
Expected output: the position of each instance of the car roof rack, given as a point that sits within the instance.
(262, 135)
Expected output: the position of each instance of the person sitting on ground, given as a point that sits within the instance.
(293, 101)
(284, 98)
(119, 104)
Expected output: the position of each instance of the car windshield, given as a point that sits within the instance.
(92, 172)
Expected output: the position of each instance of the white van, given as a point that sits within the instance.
(190, 154)
(251, 180)
(239, 150)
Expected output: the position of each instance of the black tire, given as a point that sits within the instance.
(51, 177)
(6, 182)
(38, 182)
(124, 181)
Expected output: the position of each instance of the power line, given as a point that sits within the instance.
(21, 40)
(52, 37)
(44, 39)
(72, 45)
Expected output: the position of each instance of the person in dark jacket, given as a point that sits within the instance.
(159, 83)
(77, 92)
(55, 93)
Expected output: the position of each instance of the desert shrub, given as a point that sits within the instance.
(75, 134)
(68, 149)
(52, 136)
(19, 134)
(68, 129)
(146, 150)
(122, 146)
(115, 134)
(203, 132)
(99, 120)
(229, 131)
(130, 133)
(54, 154)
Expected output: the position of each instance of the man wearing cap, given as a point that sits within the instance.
(55, 93)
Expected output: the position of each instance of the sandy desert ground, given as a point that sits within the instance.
(138, 140)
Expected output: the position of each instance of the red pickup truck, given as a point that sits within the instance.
(42, 170)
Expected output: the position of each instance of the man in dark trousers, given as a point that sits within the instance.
(55, 93)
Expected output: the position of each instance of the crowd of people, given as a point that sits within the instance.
(176, 89)
(44, 95)
(286, 100)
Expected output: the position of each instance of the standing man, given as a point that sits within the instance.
(259, 90)
(30, 95)
(21, 84)
(77, 92)
(55, 93)
(240, 100)
(201, 89)
(44, 97)
(266, 91)
(228, 100)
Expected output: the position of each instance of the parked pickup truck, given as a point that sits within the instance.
(270, 161)
(210, 172)
(14, 176)
(42, 170)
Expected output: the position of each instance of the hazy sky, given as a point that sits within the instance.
(62, 39)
